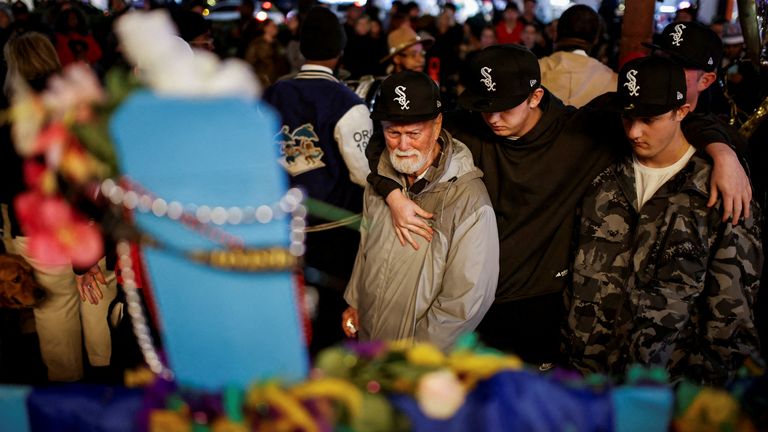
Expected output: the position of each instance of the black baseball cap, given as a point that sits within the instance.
(322, 36)
(649, 86)
(500, 77)
(407, 96)
(692, 45)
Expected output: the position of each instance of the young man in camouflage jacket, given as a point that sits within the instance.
(658, 278)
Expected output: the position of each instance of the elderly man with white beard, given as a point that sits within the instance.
(444, 288)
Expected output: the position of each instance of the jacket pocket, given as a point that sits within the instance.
(664, 322)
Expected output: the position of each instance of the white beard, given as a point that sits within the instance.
(410, 165)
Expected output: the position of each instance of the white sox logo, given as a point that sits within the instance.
(632, 83)
(487, 79)
(677, 36)
(400, 92)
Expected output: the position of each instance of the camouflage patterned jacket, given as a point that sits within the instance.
(668, 285)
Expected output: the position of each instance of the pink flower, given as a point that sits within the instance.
(74, 91)
(51, 141)
(57, 234)
(34, 173)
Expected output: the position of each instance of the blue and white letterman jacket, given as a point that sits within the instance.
(325, 129)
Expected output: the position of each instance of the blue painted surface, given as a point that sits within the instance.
(219, 327)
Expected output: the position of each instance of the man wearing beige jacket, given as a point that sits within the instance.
(444, 288)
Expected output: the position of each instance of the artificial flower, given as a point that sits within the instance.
(51, 142)
(170, 67)
(168, 421)
(79, 166)
(332, 388)
(474, 367)
(366, 349)
(440, 394)
(711, 410)
(39, 177)
(73, 93)
(423, 354)
(57, 235)
(28, 117)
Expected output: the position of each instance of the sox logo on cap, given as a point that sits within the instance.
(631, 83)
(487, 79)
(401, 99)
(677, 36)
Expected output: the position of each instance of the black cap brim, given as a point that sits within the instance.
(677, 57)
(380, 116)
(478, 103)
(617, 104)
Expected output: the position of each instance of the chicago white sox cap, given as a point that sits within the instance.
(500, 77)
(407, 96)
(650, 86)
(692, 45)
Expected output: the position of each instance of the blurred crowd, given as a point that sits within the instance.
(269, 42)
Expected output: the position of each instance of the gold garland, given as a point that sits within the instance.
(749, 126)
(248, 260)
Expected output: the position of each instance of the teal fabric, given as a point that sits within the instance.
(13, 408)
(642, 409)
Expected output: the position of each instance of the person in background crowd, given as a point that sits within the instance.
(246, 30)
(658, 278)
(194, 29)
(74, 42)
(570, 73)
(64, 318)
(717, 25)
(6, 24)
(448, 38)
(351, 16)
(685, 15)
(436, 293)
(487, 37)
(289, 38)
(529, 15)
(741, 79)
(325, 130)
(25, 21)
(407, 50)
(266, 55)
(510, 26)
(412, 11)
(532, 39)
(363, 54)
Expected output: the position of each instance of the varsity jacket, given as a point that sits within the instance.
(325, 129)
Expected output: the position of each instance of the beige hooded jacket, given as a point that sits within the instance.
(442, 290)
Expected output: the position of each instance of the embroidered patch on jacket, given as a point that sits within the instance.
(298, 151)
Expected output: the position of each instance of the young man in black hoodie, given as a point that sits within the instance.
(538, 157)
